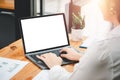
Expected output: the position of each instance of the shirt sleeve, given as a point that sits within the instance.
(58, 73)
(86, 66)
(90, 66)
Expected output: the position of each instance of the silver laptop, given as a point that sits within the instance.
(44, 34)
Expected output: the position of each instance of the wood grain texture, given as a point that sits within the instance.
(7, 4)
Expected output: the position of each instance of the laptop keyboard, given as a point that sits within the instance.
(42, 65)
(57, 52)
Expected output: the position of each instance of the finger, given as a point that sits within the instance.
(40, 57)
(63, 55)
(64, 49)
(60, 58)
(46, 55)
(52, 55)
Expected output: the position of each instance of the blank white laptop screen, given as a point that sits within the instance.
(44, 32)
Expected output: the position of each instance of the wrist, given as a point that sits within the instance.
(54, 66)
(78, 57)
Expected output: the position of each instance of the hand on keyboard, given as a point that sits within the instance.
(50, 59)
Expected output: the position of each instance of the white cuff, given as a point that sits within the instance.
(59, 73)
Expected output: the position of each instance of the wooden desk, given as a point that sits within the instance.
(15, 51)
(7, 4)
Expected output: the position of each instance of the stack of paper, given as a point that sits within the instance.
(9, 67)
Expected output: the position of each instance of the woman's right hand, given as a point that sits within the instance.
(71, 54)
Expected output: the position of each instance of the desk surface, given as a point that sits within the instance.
(15, 51)
(7, 4)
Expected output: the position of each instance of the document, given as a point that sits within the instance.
(43, 75)
(9, 67)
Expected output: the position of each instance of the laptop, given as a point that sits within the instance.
(44, 34)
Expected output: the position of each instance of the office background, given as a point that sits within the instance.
(94, 23)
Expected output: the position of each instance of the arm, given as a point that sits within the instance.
(94, 65)
(59, 73)
(71, 54)
(53, 62)
(90, 66)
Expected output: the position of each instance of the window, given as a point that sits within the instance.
(53, 6)
(95, 24)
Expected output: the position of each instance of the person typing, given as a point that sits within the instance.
(101, 61)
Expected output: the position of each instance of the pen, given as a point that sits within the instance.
(82, 47)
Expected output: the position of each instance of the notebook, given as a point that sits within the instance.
(43, 34)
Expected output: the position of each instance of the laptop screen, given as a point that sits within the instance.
(45, 32)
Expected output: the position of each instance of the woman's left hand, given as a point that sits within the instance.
(50, 59)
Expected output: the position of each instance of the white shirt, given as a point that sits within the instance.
(100, 62)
